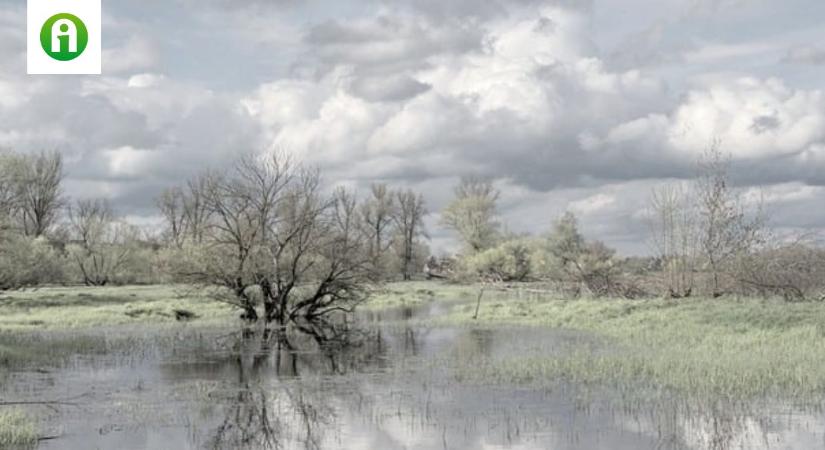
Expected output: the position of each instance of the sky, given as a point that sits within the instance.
(572, 105)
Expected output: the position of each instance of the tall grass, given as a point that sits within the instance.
(17, 430)
(722, 348)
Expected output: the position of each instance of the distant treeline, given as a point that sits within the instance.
(274, 242)
(708, 238)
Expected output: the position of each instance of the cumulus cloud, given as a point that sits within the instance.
(512, 105)
(418, 93)
(763, 124)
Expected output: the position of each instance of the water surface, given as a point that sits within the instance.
(395, 384)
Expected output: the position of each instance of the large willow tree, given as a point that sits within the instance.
(276, 245)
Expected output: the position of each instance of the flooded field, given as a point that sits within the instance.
(395, 383)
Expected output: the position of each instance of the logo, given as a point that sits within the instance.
(64, 37)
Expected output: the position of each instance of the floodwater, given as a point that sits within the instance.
(391, 385)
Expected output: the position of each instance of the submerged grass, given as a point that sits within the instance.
(17, 430)
(726, 347)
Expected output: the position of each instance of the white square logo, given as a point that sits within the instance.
(63, 36)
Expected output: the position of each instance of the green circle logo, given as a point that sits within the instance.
(64, 37)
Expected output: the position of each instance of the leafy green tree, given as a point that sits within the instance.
(509, 261)
(571, 258)
(473, 213)
(27, 261)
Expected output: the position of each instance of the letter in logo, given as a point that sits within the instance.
(64, 28)
(64, 37)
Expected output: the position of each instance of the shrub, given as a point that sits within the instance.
(508, 261)
(26, 261)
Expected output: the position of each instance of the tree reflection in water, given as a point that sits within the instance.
(272, 408)
(316, 386)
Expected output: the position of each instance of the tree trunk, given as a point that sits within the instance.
(478, 303)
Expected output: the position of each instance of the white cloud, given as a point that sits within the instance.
(509, 104)
(594, 203)
(160, 100)
(137, 53)
(421, 92)
(127, 161)
(753, 118)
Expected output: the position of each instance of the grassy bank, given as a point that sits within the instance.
(86, 307)
(417, 293)
(727, 347)
(83, 307)
(47, 326)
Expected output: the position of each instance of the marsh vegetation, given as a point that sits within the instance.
(270, 310)
(412, 368)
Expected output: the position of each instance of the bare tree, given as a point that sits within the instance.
(195, 212)
(728, 228)
(40, 196)
(409, 220)
(171, 205)
(274, 240)
(790, 267)
(377, 215)
(102, 246)
(472, 214)
(9, 191)
(675, 237)
(232, 239)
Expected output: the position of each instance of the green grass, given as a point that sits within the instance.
(415, 293)
(17, 430)
(86, 307)
(727, 347)
(47, 326)
(83, 307)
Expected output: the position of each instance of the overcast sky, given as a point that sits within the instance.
(568, 105)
